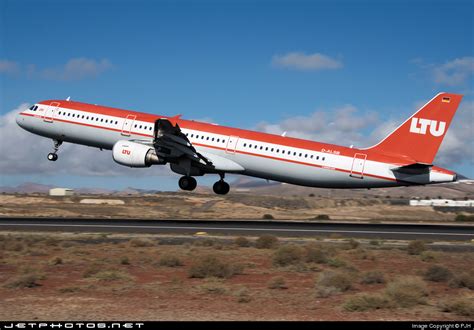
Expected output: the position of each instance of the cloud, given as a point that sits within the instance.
(303, 62)
(342, 125)
(347, 126)
(455, 72)
(74, 69)
(458, 144)
(25, 153)
(9, 67)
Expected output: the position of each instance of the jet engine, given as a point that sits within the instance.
(134, 154)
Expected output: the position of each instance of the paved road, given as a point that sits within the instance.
(248, 228)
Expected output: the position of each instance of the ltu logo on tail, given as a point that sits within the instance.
(420, 126)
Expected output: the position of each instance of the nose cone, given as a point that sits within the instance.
(20, 120)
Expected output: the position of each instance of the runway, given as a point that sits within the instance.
(244, 228)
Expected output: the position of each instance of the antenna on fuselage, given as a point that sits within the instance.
(68, 98)
(283, 134)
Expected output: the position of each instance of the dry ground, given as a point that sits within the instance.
(140, 277)
(207, 206)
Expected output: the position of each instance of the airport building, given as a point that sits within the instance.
(61, 192)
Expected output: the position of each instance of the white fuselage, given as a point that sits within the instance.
(326, 166)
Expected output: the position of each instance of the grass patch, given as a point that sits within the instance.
(24, 281)
(211, 266)
(213, 286)
(56, 261)
(372, 277)
(268, 217)
(463, 280)
(462, 306)
(429, 256)
(367, 301)
(242, 242)
(336, 262)
(266, 242)
(416, 247)
(141, 242)
(288, 255)
(111, 275)
(407, 291)
(315, 253)
(331, 282)
(170, 260)
(438, 273)
(464, 218)
(277, 283)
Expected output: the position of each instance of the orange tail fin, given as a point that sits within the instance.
(420, 136)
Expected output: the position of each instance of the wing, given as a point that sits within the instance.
(172, 145)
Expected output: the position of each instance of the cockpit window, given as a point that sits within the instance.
(32, 107)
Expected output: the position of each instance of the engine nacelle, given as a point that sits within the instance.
(134, 154)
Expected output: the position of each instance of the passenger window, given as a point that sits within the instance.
(207, 138)
(266, 149)
(324, 158)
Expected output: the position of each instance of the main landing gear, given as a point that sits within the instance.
(189, 183)
(53, 156)
(221, 187)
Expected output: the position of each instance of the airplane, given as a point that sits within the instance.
(192, 148)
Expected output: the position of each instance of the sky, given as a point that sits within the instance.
(344, 72)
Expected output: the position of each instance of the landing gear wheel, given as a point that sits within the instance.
(187, 183)
(221, 187)
(52, 157)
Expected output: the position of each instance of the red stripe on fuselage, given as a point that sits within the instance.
(329, 149)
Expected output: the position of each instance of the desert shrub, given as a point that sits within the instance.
(204, 242)
(463, 280)
(407, 291)
(429, 256)
(170, 260)
(463, 217)
(56, 261)
(266, 242)
(353, 244)
(336, 262)
(438, 273)
(13, 246)
(23, 281)
(288, 255)
(124, 261)
(462, 306)
(213, 287)
(416, 247)
(314, 253)
(141, 242)
(91, 271)
(338, 280)
(326, 291)
(372, 277)
(242, 242)
(211, 266)
(110, 275)
(277, 283)
(268, 217)
(374, 242)
(366, 301)
(322, 217)
(243, 295)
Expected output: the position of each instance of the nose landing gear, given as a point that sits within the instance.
(53, 156)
